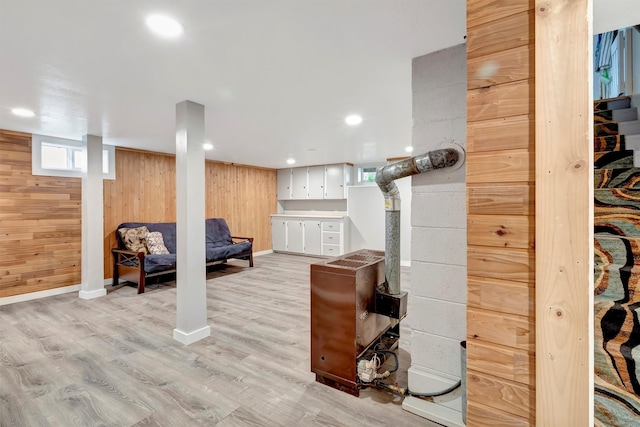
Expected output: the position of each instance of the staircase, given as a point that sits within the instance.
(617, 263)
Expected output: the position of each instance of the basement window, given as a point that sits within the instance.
(367, 174)
(65, 157)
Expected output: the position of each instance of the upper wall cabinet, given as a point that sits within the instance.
(336, 179)
(314, 182)
(299, 181)
(284, 184)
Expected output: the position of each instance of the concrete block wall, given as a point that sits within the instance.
(437, 300)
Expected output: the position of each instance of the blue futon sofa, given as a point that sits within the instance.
(138, 265)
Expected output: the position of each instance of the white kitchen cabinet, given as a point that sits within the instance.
(336, 179)
(284, 184)
(312, 237)
(331, 250)
(335, 237)
(295, 236)
(315, 184)
(331, 226)
(279, 234)
(298, 183)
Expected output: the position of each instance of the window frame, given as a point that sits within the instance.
(359, 169)
(72, 145)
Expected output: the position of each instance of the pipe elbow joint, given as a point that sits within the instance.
(385, 182)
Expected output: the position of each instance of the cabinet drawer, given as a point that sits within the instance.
(330, 226)
(331, 250)
(331, 238)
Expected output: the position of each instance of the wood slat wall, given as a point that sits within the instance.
(144, 191)
(40, 223)
(246, 197)
(500, 206)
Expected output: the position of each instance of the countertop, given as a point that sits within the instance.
(309, 215)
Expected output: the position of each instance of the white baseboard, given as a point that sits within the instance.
(405, 263)
(187, 338)
(96, 293)
(40, 294)
(446, 410)
(433, 412)
(268, 251)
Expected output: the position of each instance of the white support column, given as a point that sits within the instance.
(92, 221)
(190, 227)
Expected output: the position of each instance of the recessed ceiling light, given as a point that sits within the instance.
(164, 26)
(207, 146)
(291, 161)
(23, 112)
(409, 149)
(353, 120)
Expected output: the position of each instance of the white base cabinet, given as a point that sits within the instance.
(332, 240)
(295, 236)
(325, 236)
(312, 237)
(279, 234)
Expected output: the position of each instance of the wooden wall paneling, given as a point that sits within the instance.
(141, 192)
(501, 231)
(501, 328)
(500, 204)
(501, 67)
(500, 34)
(501, 361)
(505, 133)
(497, 199)
(564, 213)
(495, 102)
(169, 188)
(500, 166)
(109, 190)
(40, 220)
(484, 416)
(501, 295)
(508, 396)
(501, 263)
(245, 196)
(109, 238)
(484, 11)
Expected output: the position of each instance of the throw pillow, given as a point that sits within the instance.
(155, 243)
(134, 239)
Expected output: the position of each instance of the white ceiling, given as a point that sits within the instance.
(277, 77)
(609, 15)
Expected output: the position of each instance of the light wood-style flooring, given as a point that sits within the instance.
(112, 361)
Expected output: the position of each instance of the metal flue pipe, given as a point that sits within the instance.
(385, 176)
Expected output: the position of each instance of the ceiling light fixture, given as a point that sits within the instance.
(409, 149)
(291, 161)
(164, 26)
(353, 120)
(23, 112)
(207, 146)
